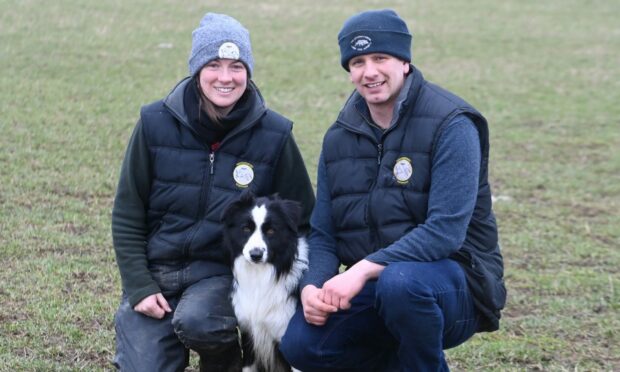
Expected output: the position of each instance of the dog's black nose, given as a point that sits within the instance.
(256, 254)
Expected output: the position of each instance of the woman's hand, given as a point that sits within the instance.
(154, 306)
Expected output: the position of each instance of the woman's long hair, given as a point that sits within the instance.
(204, 104)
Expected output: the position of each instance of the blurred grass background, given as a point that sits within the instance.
(74, 73)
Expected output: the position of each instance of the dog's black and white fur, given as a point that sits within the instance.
(268, 260)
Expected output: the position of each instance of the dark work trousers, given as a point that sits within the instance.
(202, 320)
(401, 322)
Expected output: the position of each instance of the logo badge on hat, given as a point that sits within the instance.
(361, 42)
(403, 170)
(243, 174)
(228, 50)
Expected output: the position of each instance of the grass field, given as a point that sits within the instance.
(74, 73)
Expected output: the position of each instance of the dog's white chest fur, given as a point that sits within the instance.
(264, 305)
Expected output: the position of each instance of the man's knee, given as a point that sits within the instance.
(403, 292)
(398, 281)
(291, 346)
(295, 347)
(419, 281)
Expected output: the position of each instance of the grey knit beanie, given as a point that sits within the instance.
(374, 31)
(220, 36)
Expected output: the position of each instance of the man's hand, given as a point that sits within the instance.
(339, 290)
(154, 306)
(315, 310)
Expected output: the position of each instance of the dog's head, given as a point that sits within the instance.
(263, 230)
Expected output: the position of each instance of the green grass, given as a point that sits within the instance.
(74, 73)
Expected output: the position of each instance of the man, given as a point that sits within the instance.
(403, 202)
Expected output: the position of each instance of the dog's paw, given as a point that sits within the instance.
(252, 368)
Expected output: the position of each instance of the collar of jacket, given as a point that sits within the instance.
(174, 103)
(356, 108)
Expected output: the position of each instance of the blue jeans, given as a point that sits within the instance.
(202, 320)
(401, 322)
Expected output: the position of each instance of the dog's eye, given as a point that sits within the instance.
(246, 229)
(270, 231)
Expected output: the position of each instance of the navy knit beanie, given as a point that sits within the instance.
(374, 31)
(220, 36)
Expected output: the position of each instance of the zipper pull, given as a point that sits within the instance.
(380, 147)
(214, 148)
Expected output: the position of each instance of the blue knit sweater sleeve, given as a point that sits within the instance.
(324, 262)
(454, 186)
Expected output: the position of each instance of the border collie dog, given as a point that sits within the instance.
(268, 260)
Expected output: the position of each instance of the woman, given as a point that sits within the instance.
(190, 155)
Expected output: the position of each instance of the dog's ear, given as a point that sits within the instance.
(245, 200)
(291, 210)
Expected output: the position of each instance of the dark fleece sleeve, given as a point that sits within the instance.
(129, 227)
